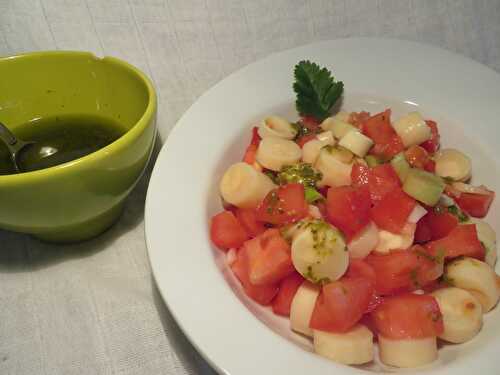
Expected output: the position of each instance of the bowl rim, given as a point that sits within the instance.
(115, 146)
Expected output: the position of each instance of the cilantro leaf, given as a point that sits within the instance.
(316, 90)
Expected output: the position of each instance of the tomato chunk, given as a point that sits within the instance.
(359, 268)
(358, 118)
(440, 222)
(284, 298)
(286, 204)
(260, 294)
(382, 180)
(392, 212)
(462, 240)
(226, 231)
(251, 150)
(341, 304)
(268, 258)
(422, 232)
(432, 144)
(359, 175)
(417, 157)
(379, 129)
(476, 205)
(404, 270)
(348, 208)
(408, 316)
(248, 219)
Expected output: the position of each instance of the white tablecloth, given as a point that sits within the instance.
(92, 308)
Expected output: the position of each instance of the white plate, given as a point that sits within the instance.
(243, 338)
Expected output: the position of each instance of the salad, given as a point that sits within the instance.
(362, 230)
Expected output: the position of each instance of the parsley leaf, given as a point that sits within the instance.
(316, 90)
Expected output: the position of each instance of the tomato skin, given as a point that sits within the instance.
(382, 180)
(268, 258)
(260, 294)
(462, 240)
(288, 287)
(476, 205)
(251, 150)
(359, 268)
(440, 224)
(422, 232)
(417, 157)
(248, 219)
(358, 118)
(341, 304)
(392, 212)
(226, 231)
(408, 316)
(432, 144)
(284, 205)
(348, 208)
(404, 270)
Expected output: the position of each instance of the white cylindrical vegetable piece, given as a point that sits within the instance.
(364, 242)
(302, 308)
(488, 237)
(408, 352)
(277, 127)
(417, 213)
(462, 314)
(477, 277)
(453, 164)
(388, 241)
(356, 142)
(319, 252)
(243, 186)
(353, 347)
(338, 127)
(342, 116)
(412, 129)
(326, 136)
(312, 148)
(335, 172)
(274, 153)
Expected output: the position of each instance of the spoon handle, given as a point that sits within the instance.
(7, 136)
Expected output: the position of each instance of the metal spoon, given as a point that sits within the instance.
(15, 146)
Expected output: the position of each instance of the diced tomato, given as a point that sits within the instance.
(310, 123)
(462, 240)
(432, 144)
(359, 268)
(422, 232)
(304, 139)
(341, 304)
(408, 316)
(404, 270)
(262, 294)
(248, 219)
(284, 205)
(268, 258)
(452, 192)
(251, 150)
(250, 154)
(440, 223)
(430, 166)
(348, 208)
(476, 205)
(382, 180)
(392, 212)
(288, 288)
(226, 231)
(358, 118)
(379, 129)
(417, 157)
(359, 175)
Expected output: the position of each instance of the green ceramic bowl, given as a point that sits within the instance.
(79, 199)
